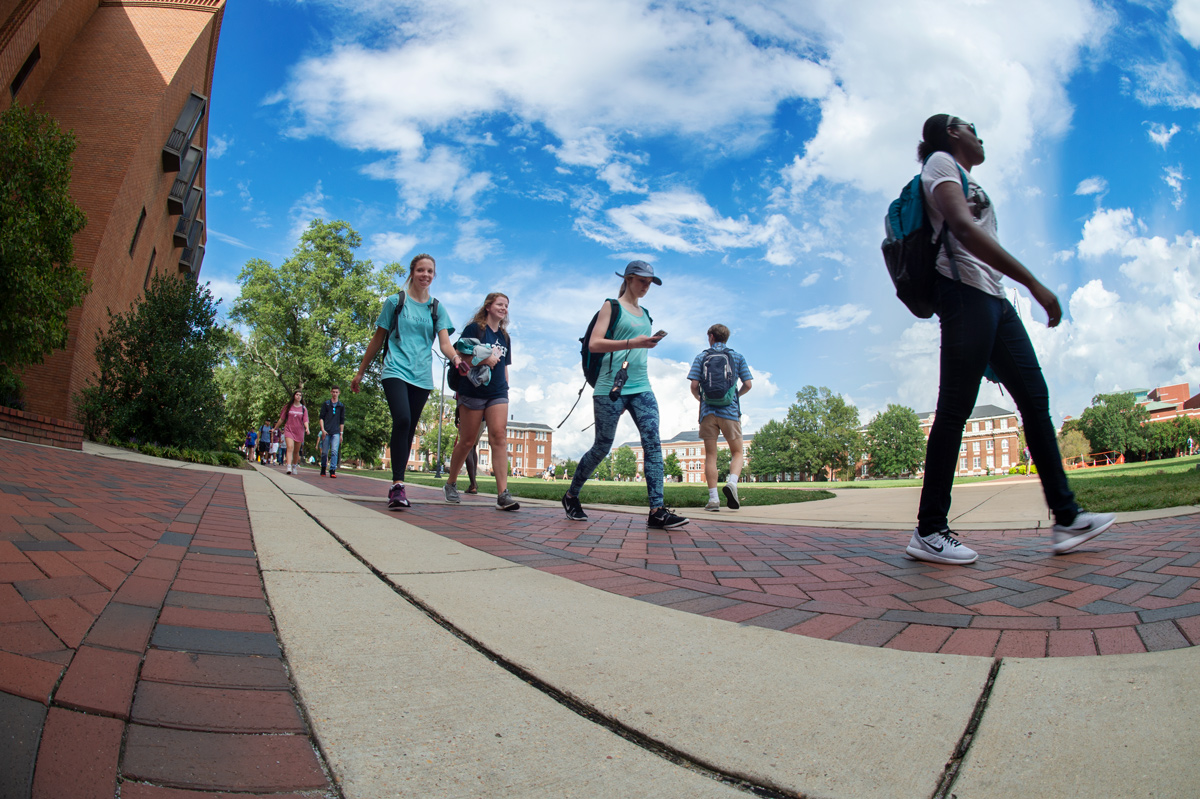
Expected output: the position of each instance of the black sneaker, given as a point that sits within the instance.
(573, 508)
(665, 519)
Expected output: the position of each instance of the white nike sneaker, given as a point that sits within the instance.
(1085, 527)
(941, 547)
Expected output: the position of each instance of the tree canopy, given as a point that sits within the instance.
(671, 467)
(824, 432)
(894, 442)
(157, 381)
(39, 282)
(1113, 423)
(625, 462)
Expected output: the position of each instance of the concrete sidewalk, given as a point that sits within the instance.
(455, 651)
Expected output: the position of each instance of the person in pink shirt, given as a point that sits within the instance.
(294, 421)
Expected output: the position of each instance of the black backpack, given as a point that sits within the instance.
(718, 383)
(910, 251)
(433, 311)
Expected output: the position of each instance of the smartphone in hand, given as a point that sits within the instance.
(660, 334)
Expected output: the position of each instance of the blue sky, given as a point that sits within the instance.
(749, 151)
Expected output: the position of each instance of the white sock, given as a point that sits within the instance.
(712, 495)
(732, 479)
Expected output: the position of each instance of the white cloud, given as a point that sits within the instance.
(1187, 16)
(392, 246)
(1092, 185)
(826, 318)
(440, 175)
(891, 64)
(1173, 177)
(1161, 134)
(218, 145)
(472, 245)
(1106, 231)
(308, 207)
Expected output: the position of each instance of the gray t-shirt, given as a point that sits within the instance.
(942, 168)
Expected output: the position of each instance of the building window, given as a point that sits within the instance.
(1004, 460)
(962, 467)
(1003, 424)
(990, 462)
(988, 446)
(518, 463)
(541, 448)
(149, 269)
(989, 424)
(976, 461)
(975, 448)
(517, 447)
(26, 68)
(137, 231)
(1004, 445)
(541, 463)
(974, 427)
(963, 447)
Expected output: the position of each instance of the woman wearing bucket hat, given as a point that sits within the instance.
(624, 385)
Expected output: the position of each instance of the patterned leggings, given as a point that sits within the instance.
(643, 409)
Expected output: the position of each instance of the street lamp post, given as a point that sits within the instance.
(441, 413)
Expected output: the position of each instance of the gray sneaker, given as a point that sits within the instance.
(1085, 527)
(731, 497)
(451, 492)
(713, 505)
(505, 501)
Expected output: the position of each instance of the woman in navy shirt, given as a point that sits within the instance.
(480, 404)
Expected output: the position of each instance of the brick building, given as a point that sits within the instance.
(991, 439)
(530, 446)
(131, 79)
(689, 449)
(1165, 403)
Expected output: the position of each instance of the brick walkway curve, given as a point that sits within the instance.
(1134, 589)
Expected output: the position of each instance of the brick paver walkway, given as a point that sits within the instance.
(1134, 589)
(137, 651)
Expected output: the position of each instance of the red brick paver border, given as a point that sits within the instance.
(131, 609)
(1134, 589)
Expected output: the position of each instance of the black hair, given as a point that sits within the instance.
(935, 136)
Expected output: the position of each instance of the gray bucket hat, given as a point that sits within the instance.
(641, 269)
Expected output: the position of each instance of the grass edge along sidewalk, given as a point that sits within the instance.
(1152, 485)
(602, 492)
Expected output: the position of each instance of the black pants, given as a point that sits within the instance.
(406, 403)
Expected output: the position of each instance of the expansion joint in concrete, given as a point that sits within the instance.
(950, 774)
(748, 784)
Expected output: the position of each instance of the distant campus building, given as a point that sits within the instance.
(131, 79)
(530, 447)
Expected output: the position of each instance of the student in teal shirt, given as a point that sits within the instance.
(630, 341)
(408, 364)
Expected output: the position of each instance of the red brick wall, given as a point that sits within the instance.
(120, 87)
(50, 24)
(40, 429)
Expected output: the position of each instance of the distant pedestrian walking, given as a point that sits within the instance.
(406, 329)
(293, 419)
(624, 385)
(715, 375)
(333, 424)
(264, 442)
(485, 403)
(981, 329)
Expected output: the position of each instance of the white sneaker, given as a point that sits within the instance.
(731, 496)
(713, 505)
(940, 547)
(1085, 527)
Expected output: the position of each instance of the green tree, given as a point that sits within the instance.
(157, 380)
(671, 467)
(427, 428)
(724, 460)
(1073, 443)
(824, 431)
(39, 282)
(625, 462)
(770, 454)
(894, 442)
(605, 470)
(1113, 423)
(570, 466)
(310, 318)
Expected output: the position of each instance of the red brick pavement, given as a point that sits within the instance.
(131, 609)
(1134, 589)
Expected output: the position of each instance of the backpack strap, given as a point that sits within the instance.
(937, 244)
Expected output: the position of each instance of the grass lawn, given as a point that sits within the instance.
(1167, 483)
(604, 492)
